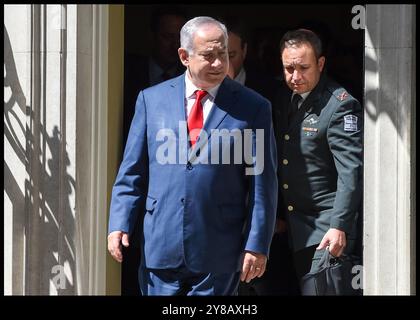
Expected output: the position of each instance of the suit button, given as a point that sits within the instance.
(286, 137)
(285, 161)
(290, 208)
(183, 201)
(285, 186)
(189, 166)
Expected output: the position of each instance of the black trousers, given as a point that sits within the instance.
(303, 260)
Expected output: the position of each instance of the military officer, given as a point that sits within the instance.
(319, 128)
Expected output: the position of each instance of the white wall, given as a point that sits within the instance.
(389, 160)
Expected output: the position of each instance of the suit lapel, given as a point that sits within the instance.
(176, 102)
(222, 104)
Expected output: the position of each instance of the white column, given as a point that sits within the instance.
(55, 121)
(17, 93)
(389, 150)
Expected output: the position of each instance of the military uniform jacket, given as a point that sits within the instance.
(320, 163)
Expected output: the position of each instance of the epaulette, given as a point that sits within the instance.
(339, 93)
(343, 95)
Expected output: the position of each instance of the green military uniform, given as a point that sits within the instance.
(320, 163)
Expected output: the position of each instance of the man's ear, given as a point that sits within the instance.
(183, 56)
(321, 63)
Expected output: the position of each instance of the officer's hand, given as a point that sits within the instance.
(253, 266)
(114, 244)
(336, 240)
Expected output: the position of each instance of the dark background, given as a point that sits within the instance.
(344, 46)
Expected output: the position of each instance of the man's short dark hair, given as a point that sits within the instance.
(299, 37)
(236, 26)
(168, 10)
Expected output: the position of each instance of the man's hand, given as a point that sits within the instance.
(253, 266)
(114, 244)
(336, 240)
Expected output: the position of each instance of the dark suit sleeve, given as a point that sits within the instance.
(129, 191)
(264, 185)
(346, 145)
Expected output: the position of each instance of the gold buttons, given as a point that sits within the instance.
(285, 161)
(285, 186)
(290, 208)
(286, 137)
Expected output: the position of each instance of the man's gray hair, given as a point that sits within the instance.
(193, 25)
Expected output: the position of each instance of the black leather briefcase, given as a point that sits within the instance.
(334, 277)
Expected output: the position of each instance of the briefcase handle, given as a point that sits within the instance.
(327, 259)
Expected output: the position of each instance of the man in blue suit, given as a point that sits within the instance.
(199, 170)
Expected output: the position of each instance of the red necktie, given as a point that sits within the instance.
(195, 118)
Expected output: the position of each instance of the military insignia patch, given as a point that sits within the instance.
(309, 131)
(343, 96)
(350, 123)
(311, 120)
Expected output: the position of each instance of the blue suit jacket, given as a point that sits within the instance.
(203, 215)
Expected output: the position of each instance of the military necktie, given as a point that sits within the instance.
(195, 118)
(294, 106)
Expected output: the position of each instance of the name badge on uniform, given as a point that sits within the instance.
(350, 123)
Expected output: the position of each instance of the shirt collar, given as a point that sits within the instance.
(190, 88)
(303, 95)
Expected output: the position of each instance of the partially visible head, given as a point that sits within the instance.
(238, 42)
(231, 72)
(166, 23)
(203, 51)
(301, 54)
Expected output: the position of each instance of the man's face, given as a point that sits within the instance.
(237, 53)
(208, 63)
(167, 39)
(301, 68)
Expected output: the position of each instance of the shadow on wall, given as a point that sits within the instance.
(386, 99)
(43, 221)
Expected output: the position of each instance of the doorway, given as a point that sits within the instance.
(266, 24)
